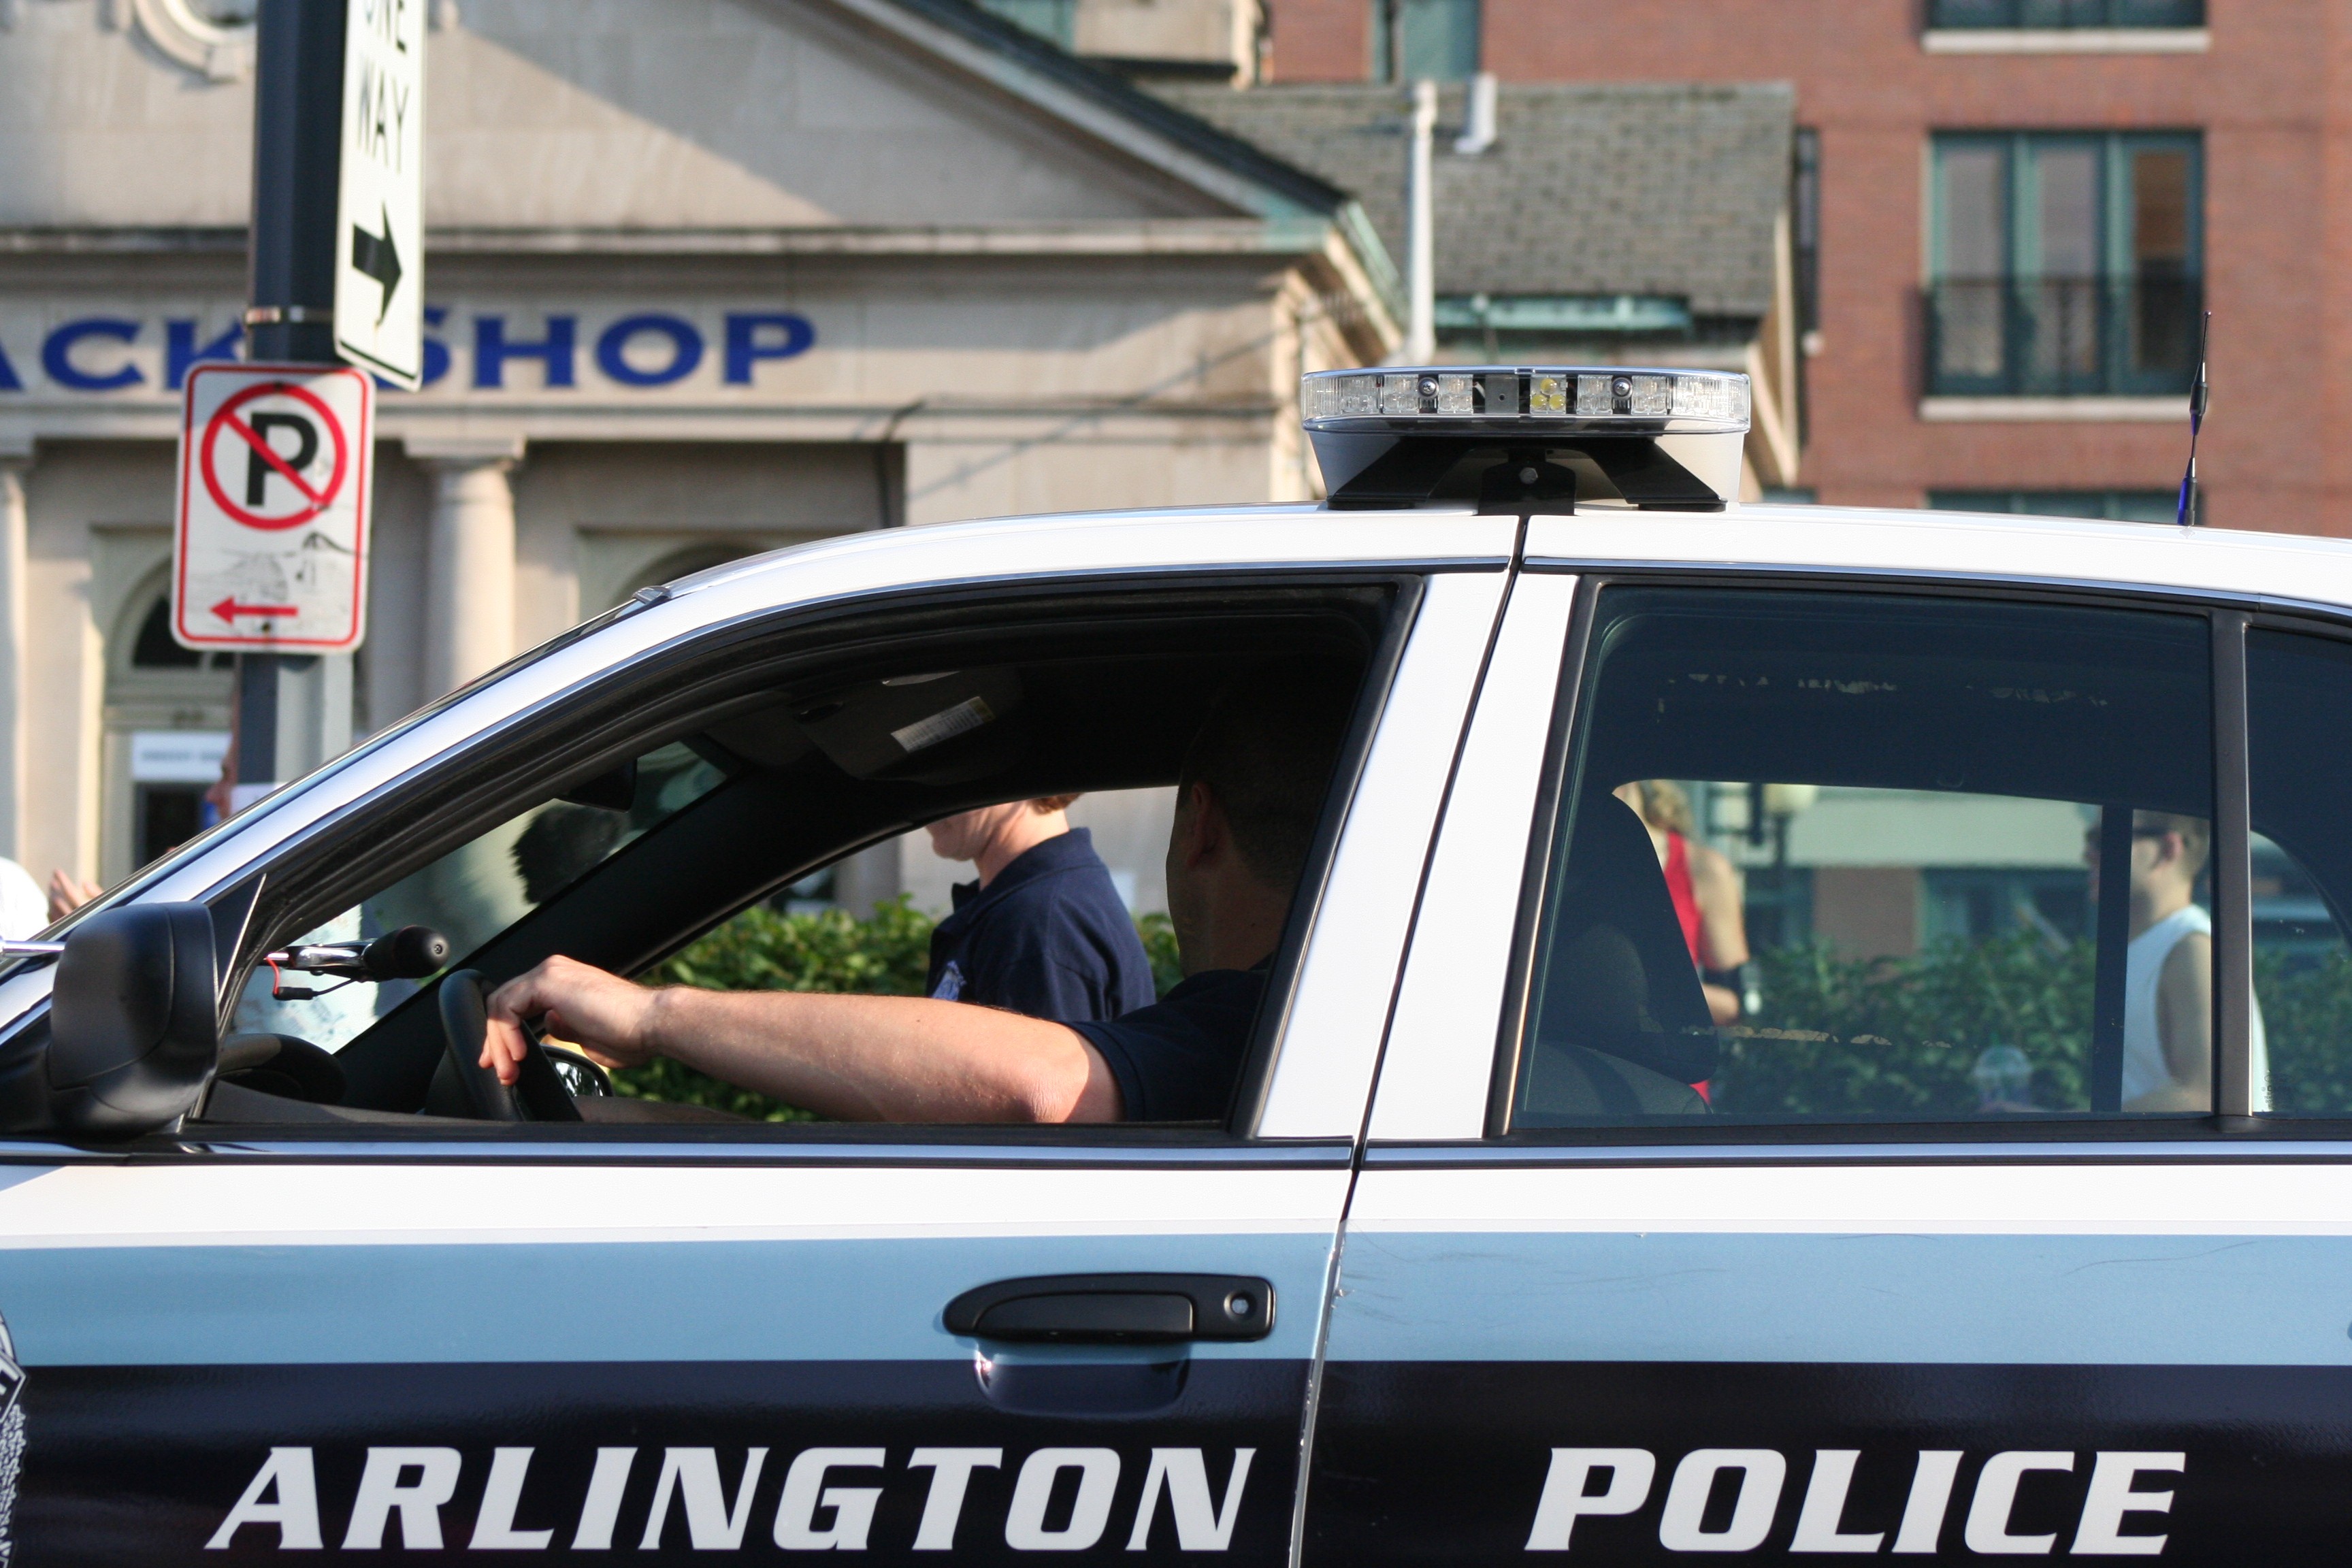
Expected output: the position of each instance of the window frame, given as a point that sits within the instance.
(2228, 618)
(1387, 41)
(264, 914)
(1938, 20)
(2274, 615)
(2021, 152)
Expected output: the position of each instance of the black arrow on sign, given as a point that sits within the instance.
(378, 257)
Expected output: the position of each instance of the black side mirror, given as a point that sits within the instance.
(134, 1018)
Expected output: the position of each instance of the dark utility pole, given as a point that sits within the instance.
(298, 131)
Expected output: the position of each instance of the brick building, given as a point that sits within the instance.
(2009, 213)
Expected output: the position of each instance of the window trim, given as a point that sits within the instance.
(785, 637)
(2233, 918)
(2233, 892)
(2106, 25)
(2019, 150)
(2194, 40)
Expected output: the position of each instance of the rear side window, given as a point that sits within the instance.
(2299, 768)
(1833, 856)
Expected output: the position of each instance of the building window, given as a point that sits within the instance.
(2047, 13)
(2064, 265)
(1417, 38)
(1052, 20)
(1805, 255)
(2115, 506)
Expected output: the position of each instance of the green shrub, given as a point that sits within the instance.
(887, 954)
(1900, 1036)
(2307, 1016)
(1159, 934)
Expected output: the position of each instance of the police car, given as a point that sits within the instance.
(2006, 1215)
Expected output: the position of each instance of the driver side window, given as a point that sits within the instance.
(791, 757)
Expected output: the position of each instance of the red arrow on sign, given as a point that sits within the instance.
(228, 609)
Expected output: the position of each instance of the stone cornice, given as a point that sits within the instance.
(1188, 237)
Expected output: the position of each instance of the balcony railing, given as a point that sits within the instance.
(2040, 14)
(2062, 337)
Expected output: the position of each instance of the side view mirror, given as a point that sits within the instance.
(134, 1018)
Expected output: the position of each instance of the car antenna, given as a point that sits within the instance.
(2198, 392)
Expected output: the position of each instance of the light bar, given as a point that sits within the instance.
(1540, 400)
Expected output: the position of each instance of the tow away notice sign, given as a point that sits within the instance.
(271, 548)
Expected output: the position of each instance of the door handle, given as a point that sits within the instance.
(1116, 1309)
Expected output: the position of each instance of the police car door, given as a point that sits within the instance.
(1954, 1256)
(418, 1339)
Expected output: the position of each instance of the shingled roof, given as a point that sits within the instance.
(1664, 190)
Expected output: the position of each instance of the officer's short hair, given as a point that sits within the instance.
(1045, 805)
(1265, 751)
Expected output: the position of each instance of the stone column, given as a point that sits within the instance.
(15, 522)
(469, 568)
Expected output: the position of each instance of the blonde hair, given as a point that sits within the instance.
(1665, 806)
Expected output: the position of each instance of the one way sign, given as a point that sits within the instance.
(379, 230)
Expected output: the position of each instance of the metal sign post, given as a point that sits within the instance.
(335, 273)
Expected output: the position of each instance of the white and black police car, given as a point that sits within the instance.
(1938, 1196)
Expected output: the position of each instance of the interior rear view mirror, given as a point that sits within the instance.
(614, 789)
(135, 1021)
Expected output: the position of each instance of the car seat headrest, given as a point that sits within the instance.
(1617, 977)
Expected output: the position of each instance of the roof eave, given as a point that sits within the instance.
(1154, 133)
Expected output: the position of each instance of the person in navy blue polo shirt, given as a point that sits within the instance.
(1042, 930)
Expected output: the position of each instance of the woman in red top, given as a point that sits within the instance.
(1703, 885)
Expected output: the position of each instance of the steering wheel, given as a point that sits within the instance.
(539, 1095)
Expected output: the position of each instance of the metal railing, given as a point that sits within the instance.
(2038, 14)
(2062, 337)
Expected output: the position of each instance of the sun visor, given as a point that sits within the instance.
(938, 727)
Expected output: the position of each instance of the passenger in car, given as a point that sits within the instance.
(1248, 795)
(1042, 930)
(2168, 970)
(1709, 903)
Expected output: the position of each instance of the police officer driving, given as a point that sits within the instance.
(1250, 787)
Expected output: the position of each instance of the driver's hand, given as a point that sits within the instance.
(603, 1013)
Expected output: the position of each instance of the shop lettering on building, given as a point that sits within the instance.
(489, 350)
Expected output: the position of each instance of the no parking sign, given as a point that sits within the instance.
(271, 550)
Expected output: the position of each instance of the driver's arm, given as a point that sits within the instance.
(865, 1059)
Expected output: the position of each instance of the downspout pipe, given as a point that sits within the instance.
(1421, 232)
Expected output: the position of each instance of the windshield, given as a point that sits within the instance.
(474, 892)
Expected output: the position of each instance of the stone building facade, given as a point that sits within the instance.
(704, 277)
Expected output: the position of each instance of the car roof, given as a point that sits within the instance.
(1995, 546)
(1999, 547)
(1056, 543)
